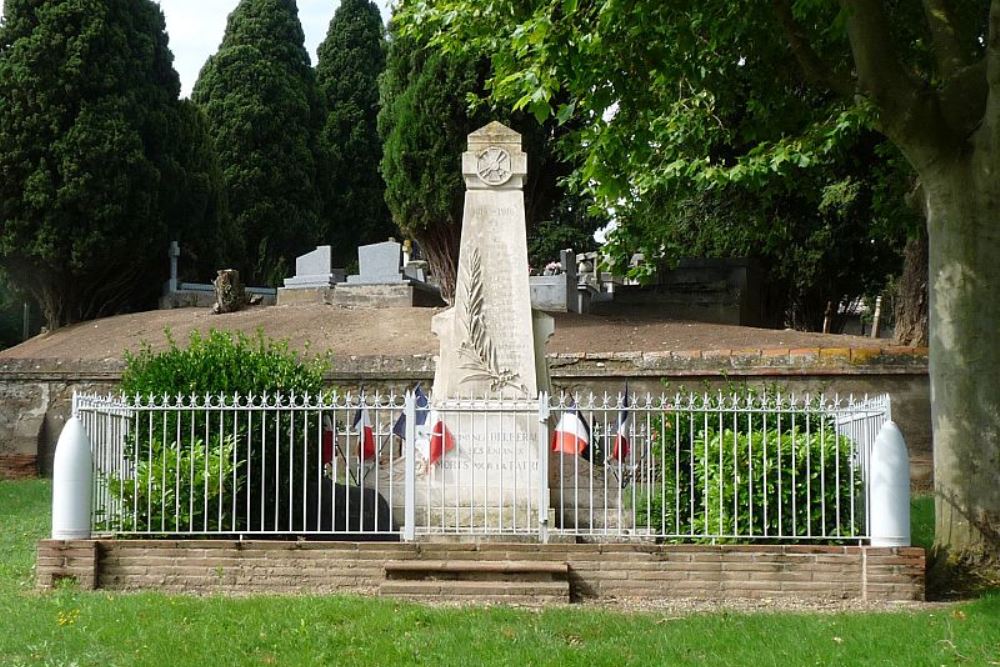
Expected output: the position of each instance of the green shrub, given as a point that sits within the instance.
(214, 466)
(222, 363)
(745, 474)
(177, 488)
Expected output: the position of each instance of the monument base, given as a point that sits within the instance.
(479, 520)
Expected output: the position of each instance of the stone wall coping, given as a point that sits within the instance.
(486, 547)
(766, 362)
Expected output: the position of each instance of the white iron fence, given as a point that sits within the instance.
(694, 467)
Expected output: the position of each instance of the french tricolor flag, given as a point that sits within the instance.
(366, 434)
(441, 440)
(420, 416)
(621, 448)
(572, 434)
(434, 438)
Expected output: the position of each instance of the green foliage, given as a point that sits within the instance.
(94, 155)
(167, 454)
(828, 233)
(571, 224)
(177, 488)
(221, 363)
(351, 59)
(769, 471)
(198, 193)
(423, 122)
(12, 314)
(264, 114)
(696, 125)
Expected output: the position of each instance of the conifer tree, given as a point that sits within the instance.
(259, 94)
(351, 58)
(91, 155)
(424, 122)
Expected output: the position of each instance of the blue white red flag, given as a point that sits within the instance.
(366, 434)
(434, 438)
(572, 434)
(442, 440)
(420, 418)
(620, 449)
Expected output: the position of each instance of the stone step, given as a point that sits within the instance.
(480, 591)
(499, 567)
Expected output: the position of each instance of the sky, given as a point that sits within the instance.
(196, 26)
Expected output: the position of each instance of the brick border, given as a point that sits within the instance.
(67, 559)
(597, 571)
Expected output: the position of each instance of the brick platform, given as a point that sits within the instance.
(602, 571)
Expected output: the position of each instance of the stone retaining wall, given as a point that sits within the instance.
(35, 395)
(597, 571)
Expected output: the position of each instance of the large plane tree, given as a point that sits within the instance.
(659, 84)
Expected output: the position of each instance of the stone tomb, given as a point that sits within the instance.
(380, 282)
(314, 278)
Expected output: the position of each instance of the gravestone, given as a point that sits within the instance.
(174, 252)
(315, 270)
(381, 282)
(378, 264)
(492, 345)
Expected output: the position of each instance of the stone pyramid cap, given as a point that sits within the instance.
(493, 134)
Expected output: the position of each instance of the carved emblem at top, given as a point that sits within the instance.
(494, 166)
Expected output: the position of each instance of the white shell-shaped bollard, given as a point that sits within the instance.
(890, 489)
(72, 475)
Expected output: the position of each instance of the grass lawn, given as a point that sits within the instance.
(70, 627)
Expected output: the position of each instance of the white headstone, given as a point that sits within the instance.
(314, 269)
(379, 263)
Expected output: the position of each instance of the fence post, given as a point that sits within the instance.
(543, 467)
(890, 489)
(72, 476)
(410, 471)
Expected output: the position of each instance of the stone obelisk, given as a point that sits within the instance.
(492, 345)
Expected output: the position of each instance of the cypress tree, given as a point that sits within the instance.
(424, 122)
(351, 58)
(259, 95)
(90, 163)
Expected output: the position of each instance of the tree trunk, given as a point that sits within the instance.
(963, 206)
(440, 245)
(911, 302)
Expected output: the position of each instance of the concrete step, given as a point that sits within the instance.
(497, 567)
(533, 591)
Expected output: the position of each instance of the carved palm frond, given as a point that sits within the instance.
(478, 349)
